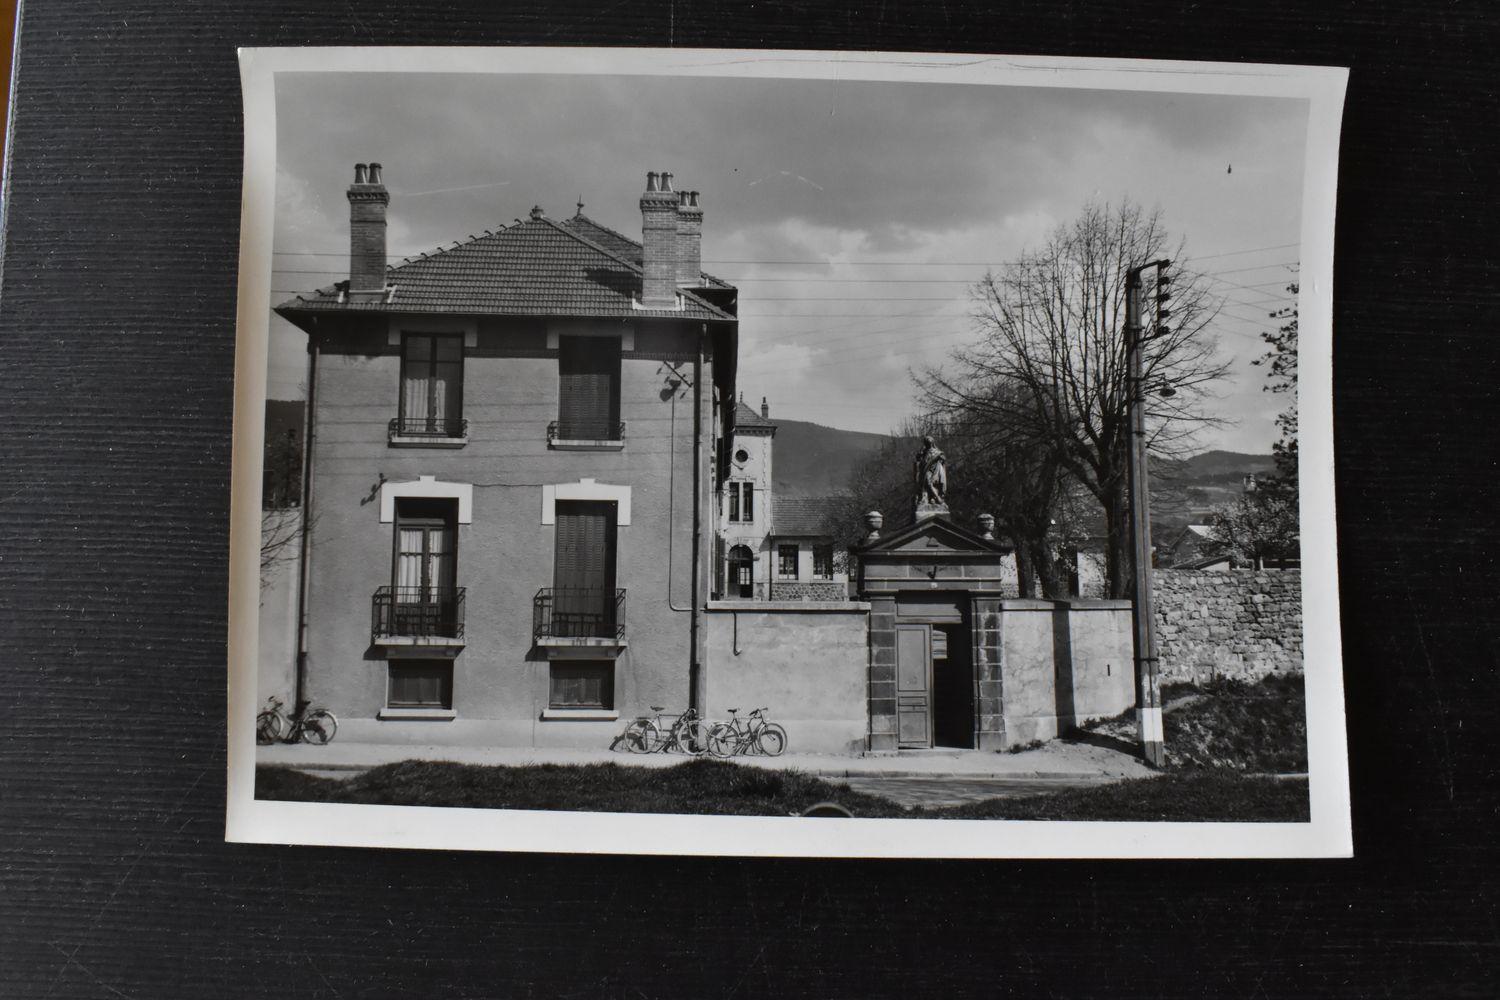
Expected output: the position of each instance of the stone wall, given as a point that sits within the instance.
(809, 590)
(1236, 623)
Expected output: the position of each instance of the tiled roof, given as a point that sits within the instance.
(621, 245)
(746, 416)
(534, 268)
(803, 516)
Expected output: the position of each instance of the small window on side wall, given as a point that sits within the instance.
(786, 562)
(420, 684)
(582, 684)
(822, 562)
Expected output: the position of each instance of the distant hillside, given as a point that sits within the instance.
(813, 460)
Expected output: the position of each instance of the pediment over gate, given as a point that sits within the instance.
(932, 536)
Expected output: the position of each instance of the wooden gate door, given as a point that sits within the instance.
(914, 686)
(584, 570)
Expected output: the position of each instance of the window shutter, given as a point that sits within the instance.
(589, 388)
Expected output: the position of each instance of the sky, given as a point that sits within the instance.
(853, 216)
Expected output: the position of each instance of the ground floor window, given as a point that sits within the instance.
(582, 684)
(420, 684)
(822, 562)
(786, 562)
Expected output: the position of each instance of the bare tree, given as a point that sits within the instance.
(1049, 371)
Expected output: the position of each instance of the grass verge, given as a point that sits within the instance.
(722, 788)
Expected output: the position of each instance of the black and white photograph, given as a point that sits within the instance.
(654, 451)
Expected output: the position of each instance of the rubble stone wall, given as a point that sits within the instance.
(1236, 623)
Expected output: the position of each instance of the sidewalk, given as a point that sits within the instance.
(1057, 760)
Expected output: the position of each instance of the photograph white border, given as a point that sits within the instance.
(1328, 834)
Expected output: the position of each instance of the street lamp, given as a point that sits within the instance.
(1147, 666)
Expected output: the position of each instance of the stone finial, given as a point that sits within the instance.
(987, 527)
(874, 520)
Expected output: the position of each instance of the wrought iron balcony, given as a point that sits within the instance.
(436, 429)
(577, 615)
(417, 616)
(561, 433)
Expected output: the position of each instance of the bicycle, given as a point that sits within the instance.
(755, 735)
(648, 735)
(273, 725)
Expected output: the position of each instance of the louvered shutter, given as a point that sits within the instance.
(589, 388)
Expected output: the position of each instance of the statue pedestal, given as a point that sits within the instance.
(926, 510)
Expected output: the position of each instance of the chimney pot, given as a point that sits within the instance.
(359, 173)
(651, 180)
(375, 173)
(765, 409)
(666, 181)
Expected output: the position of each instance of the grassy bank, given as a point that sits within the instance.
(1256, 727)
(725, 789)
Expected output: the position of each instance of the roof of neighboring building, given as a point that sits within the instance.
(747, 416)
(536, 267)
(803, 516)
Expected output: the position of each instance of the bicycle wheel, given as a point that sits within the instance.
(689, 737)
(723, 741)
(771, 740)
(647, 737)
(319, 727)
(270, 727)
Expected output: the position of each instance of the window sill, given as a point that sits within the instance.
(427, 714)
(580, 714)
(567, 444)
(445, 643)
(408, 441)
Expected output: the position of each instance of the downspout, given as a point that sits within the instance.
(695, 627)
(309, 430)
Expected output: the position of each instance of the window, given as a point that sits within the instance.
(585, 603)
(786, 562)
(588, 389)
(425, 567)
(432, 386)
(742, 502)
(822, 562)
(582, 684)
(420, 684)
(742, 456)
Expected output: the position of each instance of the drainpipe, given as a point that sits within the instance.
(695, 628)
(309, 425)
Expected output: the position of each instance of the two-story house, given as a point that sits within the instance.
(509, 475)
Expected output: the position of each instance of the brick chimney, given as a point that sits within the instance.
(765, 409)
(659, 243)
(689, 240)
(367, 201)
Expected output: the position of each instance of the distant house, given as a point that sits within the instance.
(772, 548)
(1190, 547)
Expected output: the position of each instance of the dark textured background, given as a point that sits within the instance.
(116, 352)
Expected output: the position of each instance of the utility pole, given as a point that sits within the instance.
(1143, 612)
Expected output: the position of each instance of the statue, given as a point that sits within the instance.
(931, 474)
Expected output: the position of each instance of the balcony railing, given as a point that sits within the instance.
(585, 430)
(428, 614)
(435, 428)
(578, 613)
